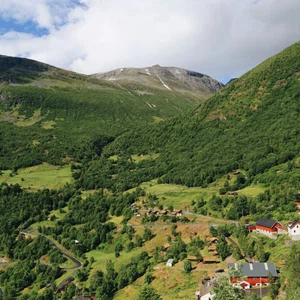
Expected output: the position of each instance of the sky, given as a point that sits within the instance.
(220, 38)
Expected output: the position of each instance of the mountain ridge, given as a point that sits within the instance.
(170, 78)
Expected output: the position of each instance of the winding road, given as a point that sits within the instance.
(78, 264)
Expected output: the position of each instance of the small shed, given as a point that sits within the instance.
(170, 262)
(212, 248)
(210, 260)
(193, 258)
(165, 247)
(213, 240)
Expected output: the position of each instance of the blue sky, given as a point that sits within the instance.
(30, 27)
(223, 39)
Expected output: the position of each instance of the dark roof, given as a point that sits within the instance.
(266, 222)
(256, 269)
(293, 224)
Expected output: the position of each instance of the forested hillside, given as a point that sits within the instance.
(52, 115)
(252, 124)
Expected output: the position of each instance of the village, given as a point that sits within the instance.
(249, 275)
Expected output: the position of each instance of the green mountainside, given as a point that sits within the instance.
(251, 124)
(53, 114)
(122, 173)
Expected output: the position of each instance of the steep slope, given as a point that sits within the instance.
(53, 113)
(253, 124)
(170, 78)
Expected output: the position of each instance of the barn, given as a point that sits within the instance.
(253, 274)
(267, 227)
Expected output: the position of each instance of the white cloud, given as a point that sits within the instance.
(45, 13)
(219, 38)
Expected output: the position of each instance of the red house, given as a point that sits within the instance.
(253, 273)
(267, 226)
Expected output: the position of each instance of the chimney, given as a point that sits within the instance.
(251, 266)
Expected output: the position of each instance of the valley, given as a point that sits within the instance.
(128, 171)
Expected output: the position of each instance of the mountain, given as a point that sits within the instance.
(251, 124)
(58, 111)
(170, 78)
(23, 70)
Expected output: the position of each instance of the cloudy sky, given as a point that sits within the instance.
(221, 38)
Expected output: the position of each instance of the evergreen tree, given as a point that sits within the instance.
(148, 293)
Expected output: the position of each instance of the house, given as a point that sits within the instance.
(137, 214)
(294, 230)
(76, 242)
(206, 292)
(163, 212)
(253, 274)
(235, 172)
(251, 227)
(268, 227)
(170, 262)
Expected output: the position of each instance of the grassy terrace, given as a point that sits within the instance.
(39, 177)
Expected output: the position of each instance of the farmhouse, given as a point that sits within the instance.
(294, 230)
(267, 226)
(253, 273)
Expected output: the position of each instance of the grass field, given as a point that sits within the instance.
(39, 177)
(181, 197)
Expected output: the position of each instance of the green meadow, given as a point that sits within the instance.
(44, 176)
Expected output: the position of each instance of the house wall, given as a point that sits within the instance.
(266, 229)
(252, 280)
(294, 232)
(207, 296)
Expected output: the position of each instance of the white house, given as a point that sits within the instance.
(294, 230)
(206, 292)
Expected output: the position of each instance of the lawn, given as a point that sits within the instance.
(39, 177)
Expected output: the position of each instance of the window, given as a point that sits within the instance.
(294, 231)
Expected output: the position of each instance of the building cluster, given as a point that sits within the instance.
(272, 228)
(249, 275)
